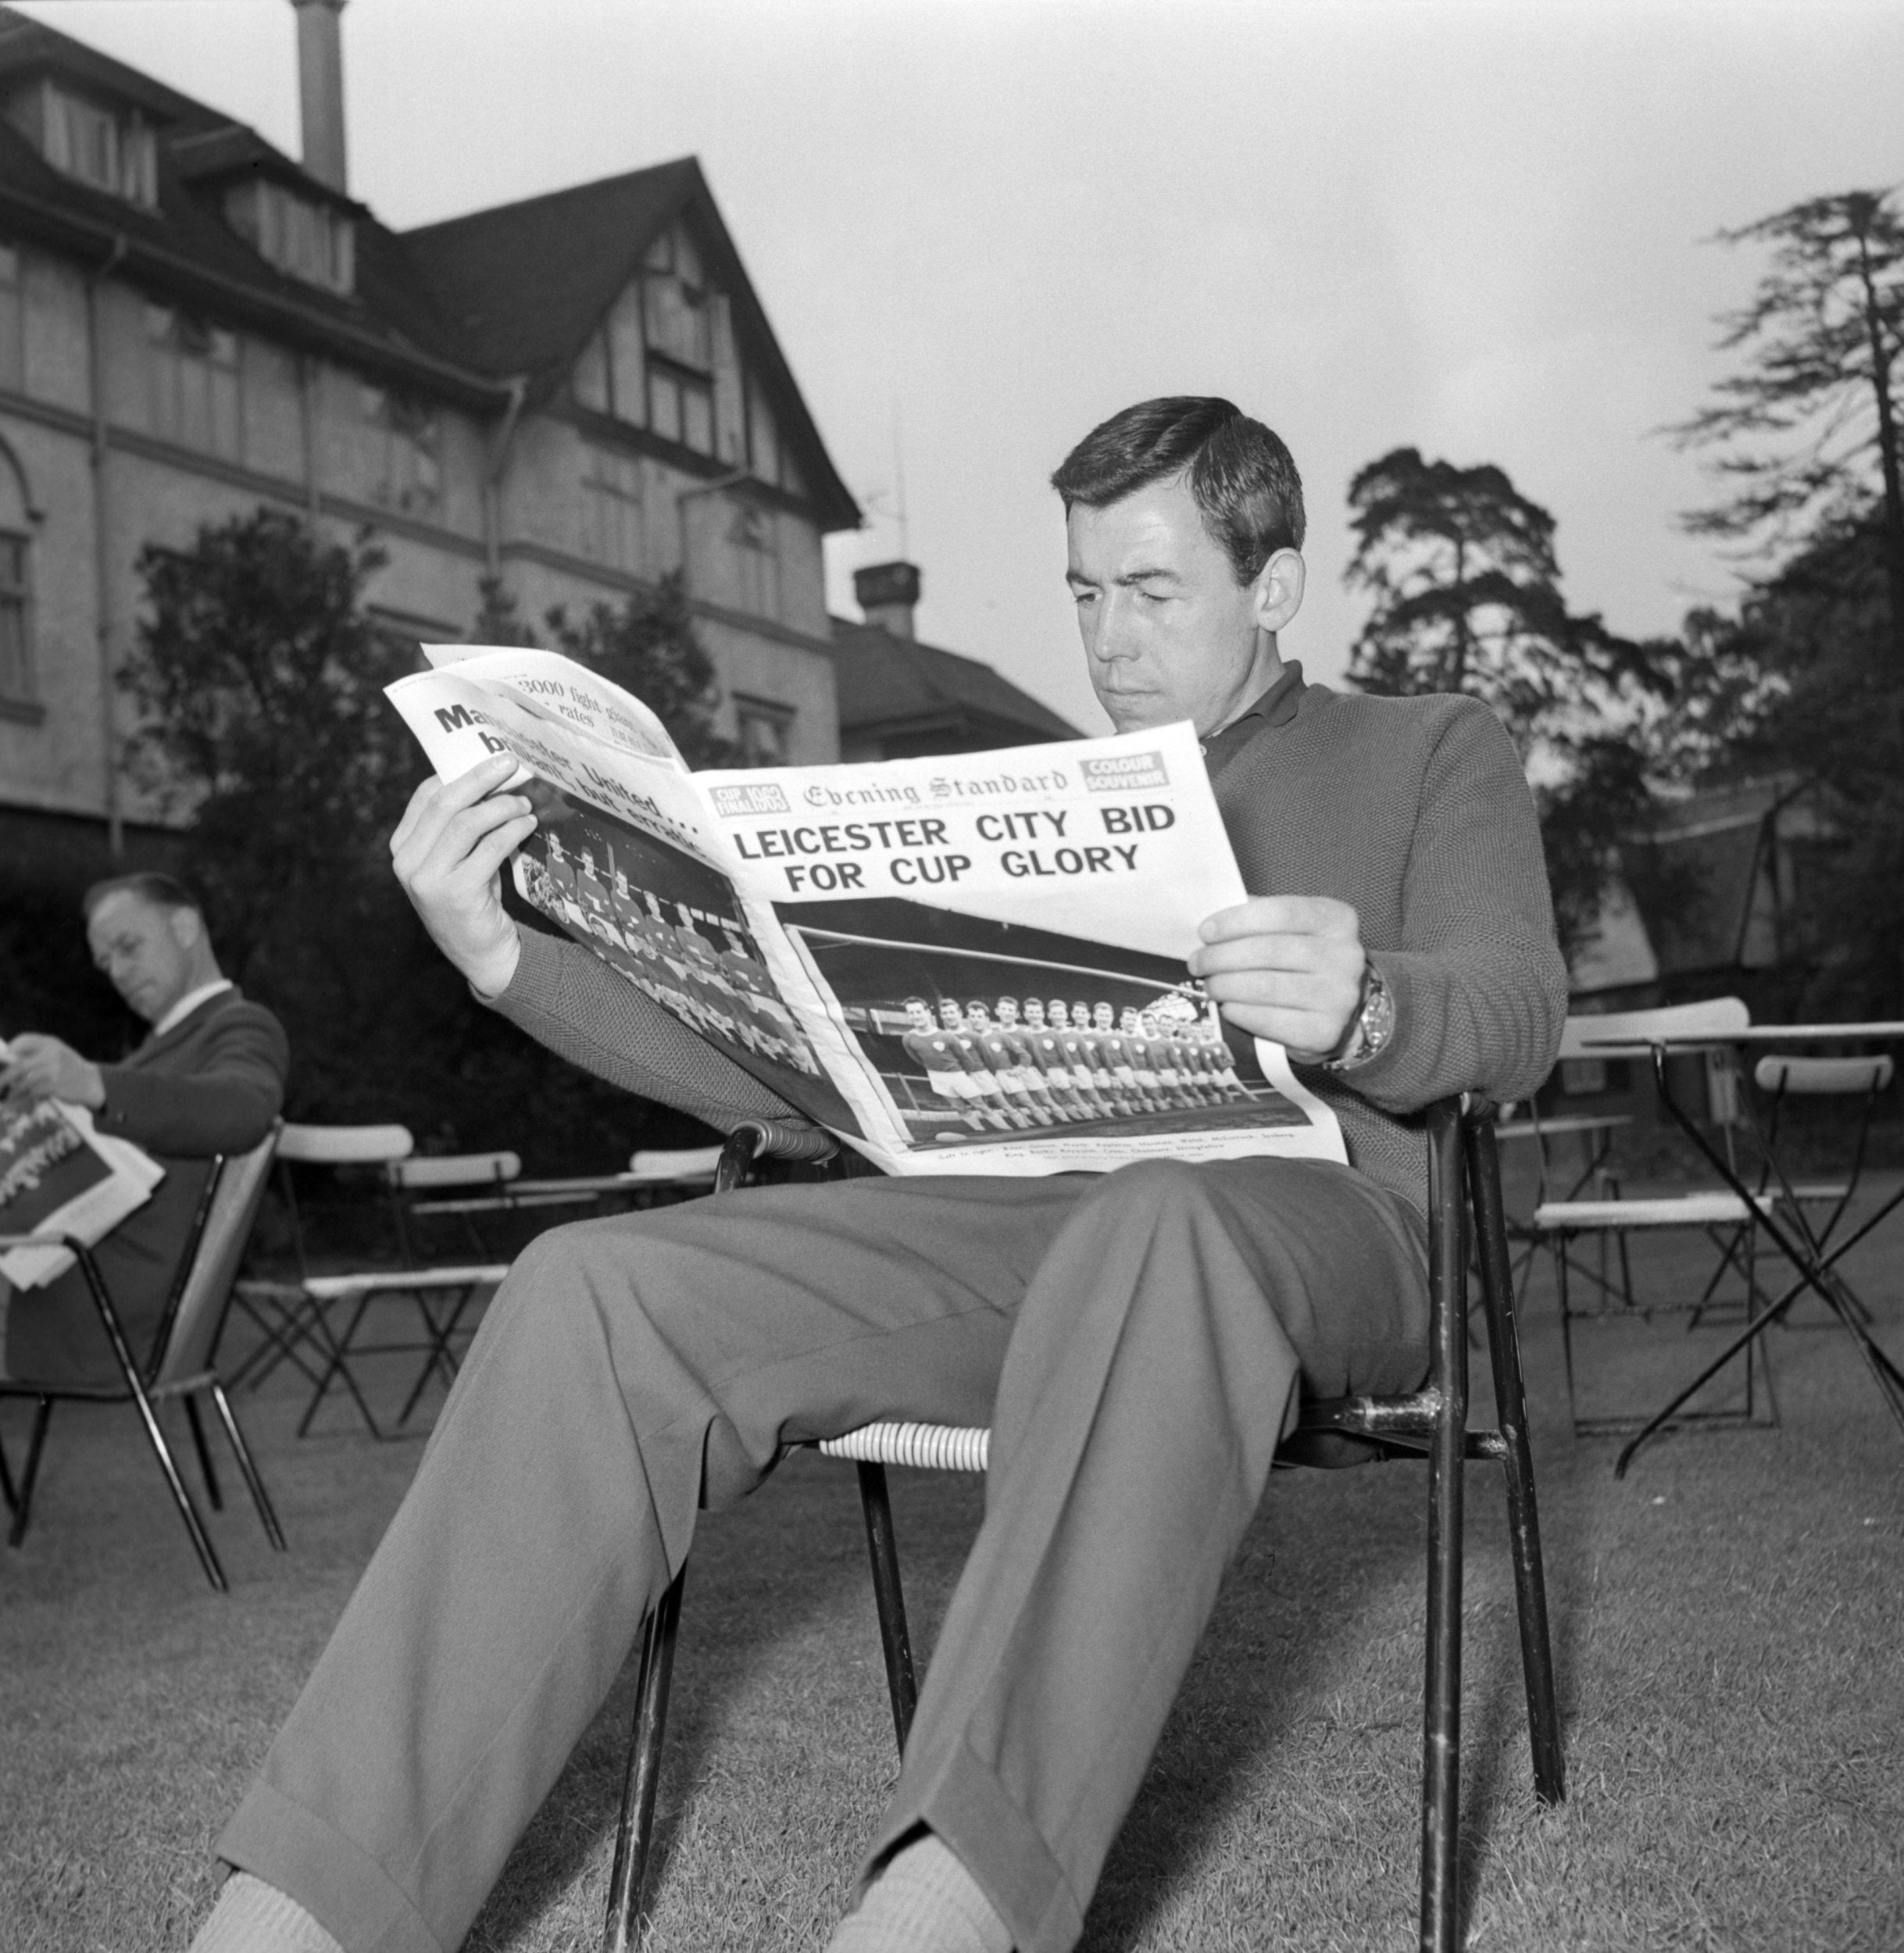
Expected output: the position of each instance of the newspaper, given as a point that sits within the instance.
(969, 964)
(58, 1176)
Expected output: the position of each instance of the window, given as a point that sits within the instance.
(192, 381)
(616, 530)
(304, 238)
(405, 451)
(610, 373)
(765, 731)
(678, 327)
(13, 374)
(681, 408)
(756, 555)
(16, 639)
(111, 148)
(627, 365)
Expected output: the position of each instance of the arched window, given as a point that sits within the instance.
(16, 525)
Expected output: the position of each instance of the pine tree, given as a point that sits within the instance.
(1808, 428)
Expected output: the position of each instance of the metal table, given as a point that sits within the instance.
(1812, 1266)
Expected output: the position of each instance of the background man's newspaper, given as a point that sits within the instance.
(59, 1177)
(966, 964)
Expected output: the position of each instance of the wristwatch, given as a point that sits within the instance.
(1371, 1028)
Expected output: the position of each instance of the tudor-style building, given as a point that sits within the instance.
(579, 393)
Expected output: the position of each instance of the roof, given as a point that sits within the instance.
(527, 283)
(886, 682)
(1701, 875)
(184, 246)
(468, 307)
(524, 285)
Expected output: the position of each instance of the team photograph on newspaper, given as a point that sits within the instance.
(973, 963)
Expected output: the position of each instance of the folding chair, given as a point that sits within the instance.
(497, 1186)
(1432, 1424)
(1779, 1080)
(428, 1186)
(287, 1319)
(295, 1316)
(180, 1364)
(688, 1169)
(1723, 1216)
(1592, 1134)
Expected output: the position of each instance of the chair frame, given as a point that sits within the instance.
(1430, 1423)
(153, 1386)
(1730, 1234)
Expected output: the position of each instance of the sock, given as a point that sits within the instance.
(253, 1917)
(923, 1901)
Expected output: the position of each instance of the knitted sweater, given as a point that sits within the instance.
(1413, 810)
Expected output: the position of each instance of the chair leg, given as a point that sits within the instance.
(8, 1497)
(1523, 1518)
(1566, 1330)
(211, 1491)
(1440, 1786)
(882, 1545)
(635, 1830)
(247, 1470)
(195, 1526)
(29, 1472)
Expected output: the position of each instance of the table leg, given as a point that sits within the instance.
(1814, 1273)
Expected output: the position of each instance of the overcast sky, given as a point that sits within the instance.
(979, 225)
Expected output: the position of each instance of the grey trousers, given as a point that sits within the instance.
(1134, 1339)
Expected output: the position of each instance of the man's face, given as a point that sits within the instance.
(921, 1018)
(145, 951)
(1169, 632)
(1060, 1014)
(1007, 1010)
(978, 1016)
(1101, 1016)
(948, 1013)
(1035, 1013)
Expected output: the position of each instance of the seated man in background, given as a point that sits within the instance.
(1135, 1339)
(208, 1078)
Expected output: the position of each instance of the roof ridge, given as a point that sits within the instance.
(570, 192)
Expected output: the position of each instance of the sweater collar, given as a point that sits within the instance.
(1276, 707)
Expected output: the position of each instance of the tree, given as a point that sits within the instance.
(1809, 425)
(1467, 598)
(1467, 591)
(260, 682)
(648, 648)
(1798, 685)
(259, 678)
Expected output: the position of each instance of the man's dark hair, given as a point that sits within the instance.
(1238, 472)
(161, 891)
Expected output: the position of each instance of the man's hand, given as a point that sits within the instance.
(447, 851)
(39, 1067)
(1288, 968)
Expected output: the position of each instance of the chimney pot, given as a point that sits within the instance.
(320, 89)
(887, 592)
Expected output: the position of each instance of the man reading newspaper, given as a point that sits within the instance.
(1135, 1339)
(208, 1080)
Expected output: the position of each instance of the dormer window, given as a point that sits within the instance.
(111, 147)
(304, 238)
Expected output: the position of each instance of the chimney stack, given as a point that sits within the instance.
(320, 89)
(887, 592)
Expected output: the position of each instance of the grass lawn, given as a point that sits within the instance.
(1728, 1623)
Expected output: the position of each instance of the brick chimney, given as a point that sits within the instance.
(320, 88)
(887, 592)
